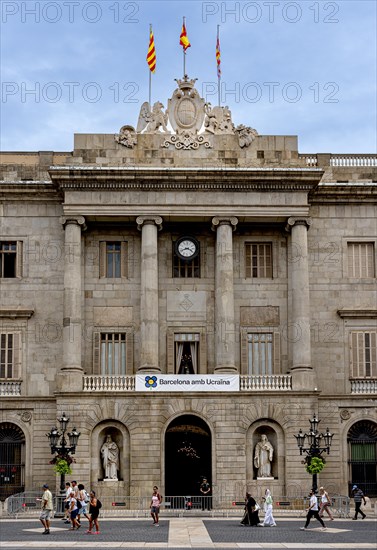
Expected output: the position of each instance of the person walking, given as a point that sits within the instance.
(313, 512)
(251, 516)
(358, 497)
(268, 517)
(46, 509)
(83, 498)
(325, 504)
(155, 506)
(68, 492)
(94, 508)
(73, 510)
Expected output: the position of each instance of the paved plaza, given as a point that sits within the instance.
(191, 533)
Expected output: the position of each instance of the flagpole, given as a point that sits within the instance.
(218, 72)
(184, 52)
(150, 76)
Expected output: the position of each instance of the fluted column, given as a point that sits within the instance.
(71, 372)
(303, 376)
(225, 335)
(149, 327)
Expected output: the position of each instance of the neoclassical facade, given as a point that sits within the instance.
(188, 249)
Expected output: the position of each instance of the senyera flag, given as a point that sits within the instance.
(183, 40)
(218, 57)
(151, 55)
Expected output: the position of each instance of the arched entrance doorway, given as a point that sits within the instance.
(362, 456)
(188, 452)
(12, 460)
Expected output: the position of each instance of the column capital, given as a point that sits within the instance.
(297, 220)
(219, 220)
(73, 220)
(149, 220)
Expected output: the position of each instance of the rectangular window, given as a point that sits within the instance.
(113, 259)
(186, 268)
(186, 353)
(10, 355)
(113, 354)
(361, 260)
(363, 354)
(258, 260)
(10, 259)
(260, 353)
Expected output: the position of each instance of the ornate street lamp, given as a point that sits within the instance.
(62, 450)
(313, 448)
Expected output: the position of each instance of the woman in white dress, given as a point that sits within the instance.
(268, 517)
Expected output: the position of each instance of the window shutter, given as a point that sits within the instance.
(124, 259)
(130, 353)
(16, 371)
(202, 365)
(19, 259)
(373, 354)
(102, 259)
(244, 350)
(276, 352)
(96, 353)
(170, 352)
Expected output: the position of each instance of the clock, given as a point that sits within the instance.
(186, 248)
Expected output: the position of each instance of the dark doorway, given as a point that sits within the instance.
(12, 460)
(362, 452)
(187, 456)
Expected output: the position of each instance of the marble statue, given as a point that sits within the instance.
(110, 458)
(263, 454)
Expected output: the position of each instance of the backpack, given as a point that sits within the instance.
(87, 497)
(99, 504)
(78, 504)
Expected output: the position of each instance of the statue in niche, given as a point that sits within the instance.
(263, 455)
(110, 458)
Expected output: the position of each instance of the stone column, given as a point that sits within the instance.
(225, 335)
(303, 376)
(149, 326)
(70, 376)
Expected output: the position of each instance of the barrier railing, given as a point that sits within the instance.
(28, 503)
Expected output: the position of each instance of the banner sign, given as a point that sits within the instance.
(187, 382)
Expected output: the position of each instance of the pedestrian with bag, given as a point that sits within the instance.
(268, 517)
(155, 506)
(251, 516)
(312, 512)
(94, 507)
(325, 504)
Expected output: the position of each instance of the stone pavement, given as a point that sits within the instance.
(176, 533)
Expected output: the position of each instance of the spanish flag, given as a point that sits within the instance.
(151, 55)
(184, 41)
(218, 57)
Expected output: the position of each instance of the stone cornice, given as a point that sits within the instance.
(15, 313)
(199, 179)
(344, 193)
(357, 313)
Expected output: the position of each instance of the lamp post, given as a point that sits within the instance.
(62, 449)
(313, 446)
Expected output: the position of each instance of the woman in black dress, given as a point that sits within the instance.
(251, 516)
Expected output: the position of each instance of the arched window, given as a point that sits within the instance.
(12, 460)
(362, 457)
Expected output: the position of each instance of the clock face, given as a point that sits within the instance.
(187, 248)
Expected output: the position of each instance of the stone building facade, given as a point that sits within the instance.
(188, 247)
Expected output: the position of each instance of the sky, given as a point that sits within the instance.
(305, 68)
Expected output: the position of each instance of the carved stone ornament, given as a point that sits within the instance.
(345, 414)
(187, 140)
(246, 135)
(218, 120)
(126, 137)
(152, 120)
(26, 416)
(186, 108)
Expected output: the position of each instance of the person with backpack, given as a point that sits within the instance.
(325, 504)
(94, 508)
(73, 511)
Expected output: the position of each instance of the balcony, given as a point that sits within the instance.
(270, 382)
(364, 386)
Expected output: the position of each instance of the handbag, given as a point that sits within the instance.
(256, 507)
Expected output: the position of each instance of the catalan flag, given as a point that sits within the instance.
(218, 57)
(183, 40)
(151, 55)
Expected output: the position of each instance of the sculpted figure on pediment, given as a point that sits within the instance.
(218, 120)
(246, 135)
(152, 120)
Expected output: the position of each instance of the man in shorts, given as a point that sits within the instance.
(46, 509)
